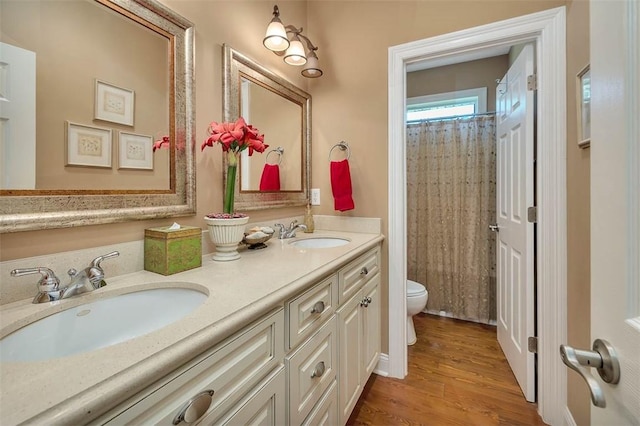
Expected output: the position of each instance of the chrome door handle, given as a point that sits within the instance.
(494, 227)
(603, 358)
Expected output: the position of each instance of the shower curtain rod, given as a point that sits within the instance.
(452, 118)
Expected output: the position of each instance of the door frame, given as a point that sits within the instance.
(547, 30)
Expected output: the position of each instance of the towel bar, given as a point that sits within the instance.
(343, 147)
(279, 150)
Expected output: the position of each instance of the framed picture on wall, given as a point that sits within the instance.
(135, 151)
(584, 107)
(87, 146)
(114, 104)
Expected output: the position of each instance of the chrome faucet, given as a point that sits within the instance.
(290, 232)
(89, 279)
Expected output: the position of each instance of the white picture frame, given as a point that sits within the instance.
(114, 104)
(135, 151)
(583, 92)
(87, 146)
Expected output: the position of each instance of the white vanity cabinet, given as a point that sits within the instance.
(312, 361)
(303, 364)
(241, 374)
(334, 336)
(358, 329)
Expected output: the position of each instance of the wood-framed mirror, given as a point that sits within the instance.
(110, 78)
(282, 112)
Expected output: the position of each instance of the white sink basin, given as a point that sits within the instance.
(100, 323)
(320, 242)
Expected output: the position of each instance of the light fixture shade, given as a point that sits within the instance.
(276, 37)
(295, 53)
(312, 68)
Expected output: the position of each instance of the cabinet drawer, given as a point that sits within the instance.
(306, 312)
(311, 369)
(356, 273)
(230, 370)
(265, 406)
(325, 412)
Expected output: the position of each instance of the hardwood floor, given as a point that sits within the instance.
(458, 375)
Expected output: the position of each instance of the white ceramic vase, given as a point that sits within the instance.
(226, 234)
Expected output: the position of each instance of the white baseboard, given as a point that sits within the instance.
(382, 369)
(568, 418)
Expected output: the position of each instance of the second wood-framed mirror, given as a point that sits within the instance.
(282, 112)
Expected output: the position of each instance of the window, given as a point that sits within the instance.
(445, 105)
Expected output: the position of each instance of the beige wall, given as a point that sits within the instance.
(578, 208)
(242, 26)
(350, 104)
(468, 75)
(350, 100)
(75, 44)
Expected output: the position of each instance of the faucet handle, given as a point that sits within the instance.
(48, 282)
(95, 273)
(96, 262)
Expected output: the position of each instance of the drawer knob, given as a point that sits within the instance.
(318, 308)
(364, 271)
(319, 370)
(365, 302)
(194, 408)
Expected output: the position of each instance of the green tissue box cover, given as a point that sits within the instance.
(168, 251)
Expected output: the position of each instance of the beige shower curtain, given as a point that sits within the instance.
(451, 200)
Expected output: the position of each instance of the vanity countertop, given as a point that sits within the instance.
(71, 390)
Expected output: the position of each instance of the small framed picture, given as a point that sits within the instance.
(114, 104)
(87, 146)
(135, 151)
(584, 107)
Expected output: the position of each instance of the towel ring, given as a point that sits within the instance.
(279, 150)
(343, 147)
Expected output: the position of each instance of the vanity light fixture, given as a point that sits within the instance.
(287, 41)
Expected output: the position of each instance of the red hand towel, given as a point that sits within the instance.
(270, 179)
(341, 185)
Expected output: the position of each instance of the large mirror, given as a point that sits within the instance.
(108, 78)
(282, 112)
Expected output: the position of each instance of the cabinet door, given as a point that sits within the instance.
(350, 338)
(371, 327)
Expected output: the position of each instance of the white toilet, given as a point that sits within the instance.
(417, 296)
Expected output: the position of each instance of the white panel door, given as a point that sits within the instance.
(17, 118)
(515, 298)
(615, 201)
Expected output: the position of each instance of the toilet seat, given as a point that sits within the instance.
(415, 289)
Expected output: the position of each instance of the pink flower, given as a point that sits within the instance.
(162, 143)
(235, 136)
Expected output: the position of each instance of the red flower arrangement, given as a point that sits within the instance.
(233, 137)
